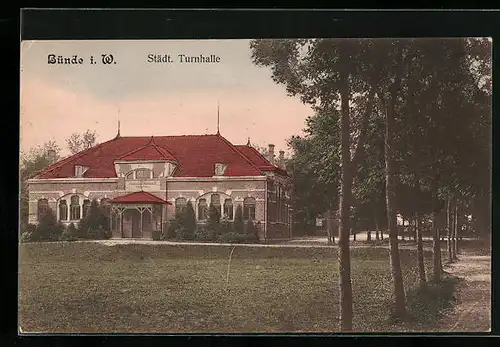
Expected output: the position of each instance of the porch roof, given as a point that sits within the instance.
(139, 197)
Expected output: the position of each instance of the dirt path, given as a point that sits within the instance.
(473, 311)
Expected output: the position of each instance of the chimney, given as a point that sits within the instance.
(270, 153)
(281, 160)
(51, 156)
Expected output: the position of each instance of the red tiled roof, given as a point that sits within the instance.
(148, 152)
(196, 156)
(139, 197)
(260, 161)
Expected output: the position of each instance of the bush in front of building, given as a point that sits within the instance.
(70, 233)
(205, 235)
(183, 226)
(27, 231)
(188, 221)
(213, 221)
(239, 224)
(251, 231)
(94, 225)
(48, 228)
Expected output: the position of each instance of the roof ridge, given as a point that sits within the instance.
(160, 149)
(233, 147)
(133, 151)
(72, 157)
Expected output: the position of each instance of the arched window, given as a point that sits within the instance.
(130, 175)
(202, 209)
(74, 208)
(63, 210)
(249, 208)
(86, 207)
(228, 209)
(142, 174)
(215, 200)
(180, 205)
(43, 207)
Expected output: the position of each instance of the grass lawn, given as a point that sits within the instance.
(89, 287)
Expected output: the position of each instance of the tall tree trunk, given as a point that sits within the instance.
(368, 235)
(420, 253)
(420, 244)
(329, 226)
(455, 232)
(436, 246)
(449, 229)
(345, 285)
(390, 179)
(377, 235)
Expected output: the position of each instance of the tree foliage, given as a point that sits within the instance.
(78, 142)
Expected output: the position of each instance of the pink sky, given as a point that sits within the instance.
(153, 99)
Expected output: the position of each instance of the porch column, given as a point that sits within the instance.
(121, 222)
(141, 210)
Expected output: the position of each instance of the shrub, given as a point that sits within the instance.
(48, 229)
(251, 231)
(239, 224)
(25, 236)
(225, 227)
(172, 228)
(95, 232)
(28, 228)
(156, 235)
(213, 221)
(204, 234)
(95, 223)
(188, 220)
(232, 237)
(182, 234)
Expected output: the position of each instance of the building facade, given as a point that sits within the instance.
(145, 180)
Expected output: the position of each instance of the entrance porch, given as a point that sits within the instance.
(137, 215)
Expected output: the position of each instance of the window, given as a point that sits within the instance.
(180, 205)
(130, 175)
(86, 207)
(142, 174)
(74, 208)
(249, 208)
(220, 169)
(63, 210)
(228, 209)
(215, 200)
(202, 209)
(43, 207)
(80, 170)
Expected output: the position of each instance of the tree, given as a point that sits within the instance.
(94, 225)
(79, 142)
(48, 228)
(388, 99)
(239, 224)
(327, 73)
(213, 222)
(31, 163)
(189, 219)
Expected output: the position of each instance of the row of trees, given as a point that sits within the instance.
(184, 227)
(94, 226)
(400, 126)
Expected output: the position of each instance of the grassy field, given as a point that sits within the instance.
(89, 287)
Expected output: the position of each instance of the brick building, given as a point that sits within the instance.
(144, 180)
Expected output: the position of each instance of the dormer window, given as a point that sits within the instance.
(220, 169)
(80, 170)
